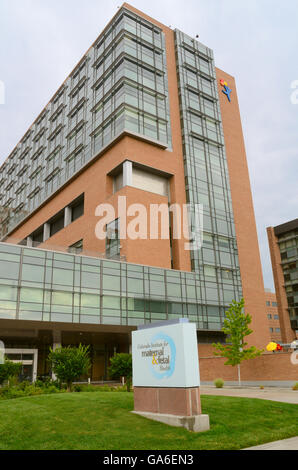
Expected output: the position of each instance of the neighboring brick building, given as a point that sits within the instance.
(147, 116)
(272, 316)
(283, 244)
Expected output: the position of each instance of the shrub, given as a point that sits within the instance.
(24, 385)
(121, 366)
(295, 386)
(219, 383)
(8, 370)
(48, 383)
(25, 389)
(94, 388)
(120, 389)
(52, 389)
(69, 364)
(8, 392)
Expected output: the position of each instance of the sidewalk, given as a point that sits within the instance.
(285, 395)
(285, 444)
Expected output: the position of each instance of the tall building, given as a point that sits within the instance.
(272, 316)
(283, 243)
(144, 118)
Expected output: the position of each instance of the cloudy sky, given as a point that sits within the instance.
(255, 40)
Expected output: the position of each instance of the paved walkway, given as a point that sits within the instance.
(285, 444)
(285, 395)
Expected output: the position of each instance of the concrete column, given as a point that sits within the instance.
(127, 173)
(46, 231)
(67, 216)
(29, 241)
(35, 362)
(56, 344)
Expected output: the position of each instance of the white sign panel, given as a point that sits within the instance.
(166, 356)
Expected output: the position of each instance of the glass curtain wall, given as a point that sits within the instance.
(44, 285)
(119, 85)
(206, 172)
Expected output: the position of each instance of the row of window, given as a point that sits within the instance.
(206, 172)
(273, 304)
(57, 222)
(50, 286)
(275, 317)
(59, 143)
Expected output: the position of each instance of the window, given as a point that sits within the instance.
(271, 330)
(74, 160)
(193, 100)
(33, 198)
(223, 242)
(54, 160)
(118, 182)
(53, 180)
(269, 316)
(76, 248)
(148, 181)
(207, 239)
(77, 132)
(274, 304)
(209, 107)
(57, 224)
(35, 177)
(58, 220)
(77, 208)
(209, 271)
(267, 303)
(206, 85)
(227, 274)
(275, 317)
(112, 239)
(37, 237)
(277, 330)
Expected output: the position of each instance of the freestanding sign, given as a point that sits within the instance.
(166, 355)
(166, 374)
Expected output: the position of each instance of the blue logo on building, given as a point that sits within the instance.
(226, 90)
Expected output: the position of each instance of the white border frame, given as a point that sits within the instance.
(26, 351)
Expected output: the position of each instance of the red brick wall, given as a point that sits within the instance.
(244, 217)
(269, 366)
(273, 323)
(287, 334)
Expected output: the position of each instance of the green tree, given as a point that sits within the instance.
(236, 328)
(9, 369)
(70, 363)
(121, 366)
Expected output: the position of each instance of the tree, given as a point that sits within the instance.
(9, 369)
(70, 363)
(121, 366)
(236, 328)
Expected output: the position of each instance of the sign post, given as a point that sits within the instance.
(166, 376)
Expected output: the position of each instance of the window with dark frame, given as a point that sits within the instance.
(113, 239)
(76, 248)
